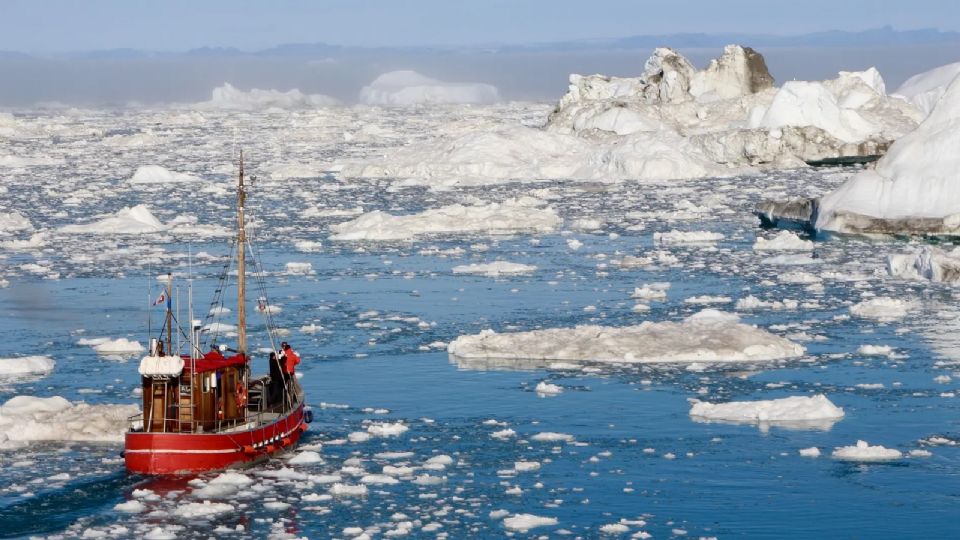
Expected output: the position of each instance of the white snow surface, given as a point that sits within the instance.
(795, 410)
(862, 451)
(916, 180)
(231, 98)
(26, 419)
(511, 216)
(708, 336)
(404, 88)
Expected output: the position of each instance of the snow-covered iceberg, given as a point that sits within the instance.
(403, 88)
(915, 187)
(814, 412)
(509, 217)
(708, 336)
(232, 98)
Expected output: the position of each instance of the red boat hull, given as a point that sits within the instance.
(191, 453)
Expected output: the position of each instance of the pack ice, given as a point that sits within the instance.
(708, 336)
(29, 418)
(671, 122)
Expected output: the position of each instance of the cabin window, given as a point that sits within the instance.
(206, 385)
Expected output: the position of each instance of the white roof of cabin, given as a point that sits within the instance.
(161, 366)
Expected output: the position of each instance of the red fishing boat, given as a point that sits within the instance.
(202, 408)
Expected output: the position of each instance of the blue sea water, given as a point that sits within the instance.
(633, 454)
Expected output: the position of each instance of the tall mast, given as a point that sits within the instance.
(241, 266)
(169, 289)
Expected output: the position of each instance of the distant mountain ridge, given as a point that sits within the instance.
(884, 36)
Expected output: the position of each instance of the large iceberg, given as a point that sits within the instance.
(925, 89)
(915, 187)
(708, 336)
(403, 88)
(230, 97)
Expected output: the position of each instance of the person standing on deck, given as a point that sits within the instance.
(291, 359)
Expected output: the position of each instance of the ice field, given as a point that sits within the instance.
(521, 357)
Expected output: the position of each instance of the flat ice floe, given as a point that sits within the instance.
(525, 522)
(27, 418)
(881, 308)
(495, 269)
(404, 88)
(862, 451)
(708, 336)
(509, 217)
(783, 241)
(795, 411)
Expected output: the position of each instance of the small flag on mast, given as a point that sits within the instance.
(160, 299)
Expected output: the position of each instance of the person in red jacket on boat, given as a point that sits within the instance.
(291, 359)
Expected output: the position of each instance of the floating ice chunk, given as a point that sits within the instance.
(881, 308)
(155, 174)
(875, 350)
(230, 98)
(508, 217)
(813, 451)
(404, 88)
(925, 89)
(118, 346)
(709, 336)
(386, 429)
(526, 466)
(546, 389)
(495, 269)
(28, 418)
(862, 451)
(919, 452)
(752, 302)
(614, 528)
(651, 291)
(132, 506)
(12, 221)
(707, 299)
(307, 246)
(504, 434)
(25, 366)
(687, 237)
(525, 522)
(551, 436)
(131, 220)
(347, 490)
(783, 241)
(305, 457)
(378, 479)
(300, 269)
(203, 510)
(928, 262)
(795, 411)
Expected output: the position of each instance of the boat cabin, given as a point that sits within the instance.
(186, 395)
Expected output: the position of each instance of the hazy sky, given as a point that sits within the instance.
(79, 25)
